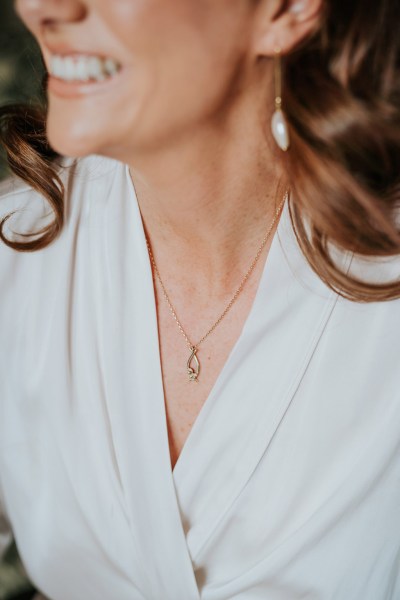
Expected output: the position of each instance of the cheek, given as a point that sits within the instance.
(85, 124)
(154, 103)
(177, 72)
(151, 25)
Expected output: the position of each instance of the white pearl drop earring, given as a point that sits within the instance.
(279, 126)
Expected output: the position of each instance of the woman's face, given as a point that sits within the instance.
(181, 64)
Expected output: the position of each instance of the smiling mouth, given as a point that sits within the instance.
(78, 69)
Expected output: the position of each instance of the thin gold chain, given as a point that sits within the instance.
(235, 295)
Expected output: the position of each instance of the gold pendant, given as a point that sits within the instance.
(193, 372)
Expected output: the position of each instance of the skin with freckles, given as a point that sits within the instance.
(190, 113)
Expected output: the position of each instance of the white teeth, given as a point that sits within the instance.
(82, 68)
(81, 72)
(95, 67)
(69, 69)
(110, 66)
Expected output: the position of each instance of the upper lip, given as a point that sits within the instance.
(64, 49)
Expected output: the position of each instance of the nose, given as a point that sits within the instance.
(36, 13)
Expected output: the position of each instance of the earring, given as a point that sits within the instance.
(279, 126)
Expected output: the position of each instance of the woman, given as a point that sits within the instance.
(200, 383)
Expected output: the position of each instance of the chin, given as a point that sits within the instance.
(72, 141)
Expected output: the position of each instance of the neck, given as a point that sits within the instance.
(207, 203)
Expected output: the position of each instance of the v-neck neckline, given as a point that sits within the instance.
(247, 323)
(227, 366)
(174, 513)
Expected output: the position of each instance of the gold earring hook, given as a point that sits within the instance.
(278, 77)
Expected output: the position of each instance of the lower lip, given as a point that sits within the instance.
(75, 89)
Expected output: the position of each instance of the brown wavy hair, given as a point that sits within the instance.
(342, 100)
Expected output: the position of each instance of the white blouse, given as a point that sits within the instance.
(288, 486)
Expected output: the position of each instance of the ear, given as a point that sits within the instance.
(284, 24)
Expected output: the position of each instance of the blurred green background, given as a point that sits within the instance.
(21, 73)
(21, 69)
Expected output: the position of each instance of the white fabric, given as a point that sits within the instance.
(288, 486)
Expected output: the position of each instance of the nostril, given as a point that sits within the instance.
(50, 12)
(49, 23)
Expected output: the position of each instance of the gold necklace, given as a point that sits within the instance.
(193, 363)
